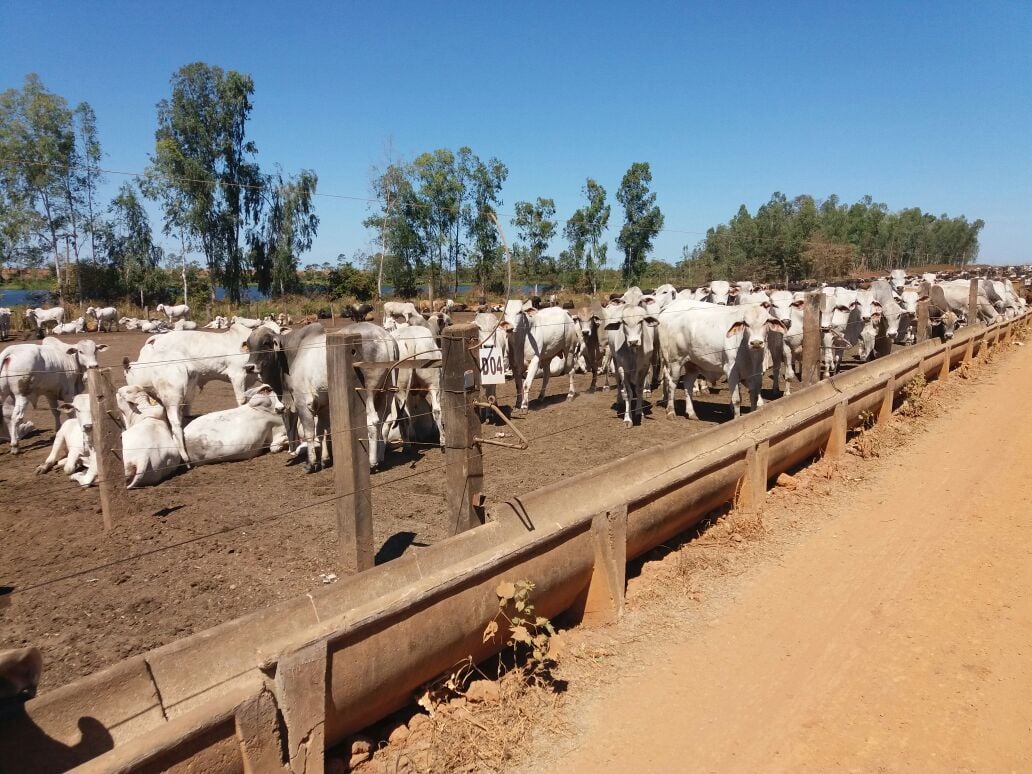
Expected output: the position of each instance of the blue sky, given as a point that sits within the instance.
(917, 104)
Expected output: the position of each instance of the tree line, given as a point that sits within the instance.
(434, 219)
(790, 240)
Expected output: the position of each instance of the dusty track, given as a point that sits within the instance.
(894, 635)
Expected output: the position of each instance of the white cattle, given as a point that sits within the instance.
(175, 365)
(897, 279)
(5, 323)
(185, 325)
(51, 369)
(238, 433)
(147, 326)
(78, 325)
(592, 343)
(784, 347)
(719, 292)
(247, 322)
(73, 443)
(377, 346)
(714, 341)
(631, 340)
(42, 319)
(956, 295)
(102, 315)
(535, 337)
(173, 313)
(397, 311)
(218, 322)
(663, 295)
(891, 312)
(149, 451)
(417, 342)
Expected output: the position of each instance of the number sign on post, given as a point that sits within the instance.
(492, 370)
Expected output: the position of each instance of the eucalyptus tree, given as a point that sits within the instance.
(437, 209)
(51, 154)
(205, 165)
(535, 229)
(288, 227)
(642, 219)
(399, 226)
(128, 244)
(483, 191)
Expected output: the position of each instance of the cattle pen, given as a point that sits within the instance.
(325, 664)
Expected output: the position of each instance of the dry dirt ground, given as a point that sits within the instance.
(878, 618)
(219, 541)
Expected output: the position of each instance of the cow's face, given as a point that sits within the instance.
(263, 398)
(80, 409)
(755, 323)
(720, 292)
(85, 353)
(634, 321)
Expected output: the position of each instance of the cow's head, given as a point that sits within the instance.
(80, 409)
(85, 353)
(755, 323)
(719, 292)
(263, 398)
(633, 320)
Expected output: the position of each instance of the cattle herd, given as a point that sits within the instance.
(691, 338)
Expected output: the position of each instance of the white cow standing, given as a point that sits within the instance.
(102, 315)
(785, 346)
(51, 369)
(535, 337)
(173, 312)
(700, 338)
(418, 342)
(630, 335)
(41, 319)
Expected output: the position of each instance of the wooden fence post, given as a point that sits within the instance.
(836, 445)
(888, 395)
(922, 320)
(753, 487)
(107, 445)
(350, 453)
(604, 602)
(460, 384)
(812, 339)
(973, 301)
(944, 369)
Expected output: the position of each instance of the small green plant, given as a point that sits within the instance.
(528, 633)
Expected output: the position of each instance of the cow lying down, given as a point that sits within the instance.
(238, 433)
(73, 443)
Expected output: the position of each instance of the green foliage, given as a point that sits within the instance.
(288, 229)
(45, 201)
(529, 635)
(535, 227)
(203, 169)
(584, 232)
(803, 239)
(399, 227)
(642, 220)
(347, 281)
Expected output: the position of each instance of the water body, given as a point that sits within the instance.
(13, 297)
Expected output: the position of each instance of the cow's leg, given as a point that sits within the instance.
(174, 408)
(546, 374)
(434, 393)
(239, 382)
(592, 366)
(671, 376)
(307, 420)
(55, 457)
(21, 403)
(786, 361)
(688, 379)
(605, 370)
(528, 379)
(734, 388)
(569, 369)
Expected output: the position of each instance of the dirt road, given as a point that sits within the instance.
(896, 636)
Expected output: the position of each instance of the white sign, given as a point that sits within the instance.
(492, 369)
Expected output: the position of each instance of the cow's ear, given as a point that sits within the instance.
(284, 331)
(651, 321)
(777, 325)
(101, 347)
(738, 327)
(72, 351)
(531, 312)
(67, 408)
(922, 298)
(614, 325)
(244, 347)
(505, 325)
(527, 305)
